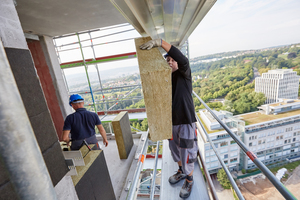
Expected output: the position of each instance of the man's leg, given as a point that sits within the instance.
(175, 152)
(188, 152)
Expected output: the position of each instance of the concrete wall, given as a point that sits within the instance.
(21, 63)
(56, 74)
(11, 33)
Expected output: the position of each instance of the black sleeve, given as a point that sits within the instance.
(183, 62)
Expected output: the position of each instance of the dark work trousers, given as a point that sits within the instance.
(78, 143)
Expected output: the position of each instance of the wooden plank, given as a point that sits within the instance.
(157, 88)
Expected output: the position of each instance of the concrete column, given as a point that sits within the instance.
(22, 66)
(56, 74)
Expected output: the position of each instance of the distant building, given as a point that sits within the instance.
(278, 84)
(272, 134)
(225, 145)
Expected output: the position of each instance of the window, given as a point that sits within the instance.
(269, 151)
(207, 147)
(249, 138)
(225, 156)
(223, 144)
(285, 141)
(278, 148)
(281, 137)
(233, 160)
(232, 142)
(250, 144)
(226, 162)
(216, 145)
(233, 154)
(260, 153)
(259, 142)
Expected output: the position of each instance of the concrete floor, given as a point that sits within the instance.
(118, 168)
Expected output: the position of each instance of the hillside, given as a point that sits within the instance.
(230, 78)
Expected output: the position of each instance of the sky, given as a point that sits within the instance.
(230, 25)
(233, 25)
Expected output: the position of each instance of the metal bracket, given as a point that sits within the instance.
(72, 168)
(128, 185)
(76, 156)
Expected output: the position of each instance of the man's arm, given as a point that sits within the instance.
(65, 136)
(103, 134)
(183, 63)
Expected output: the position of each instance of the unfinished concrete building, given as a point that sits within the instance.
(34, 100)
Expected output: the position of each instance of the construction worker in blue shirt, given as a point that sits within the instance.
(81, 124)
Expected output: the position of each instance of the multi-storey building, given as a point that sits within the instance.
(225, 145)
(278, 84)
(273, 134)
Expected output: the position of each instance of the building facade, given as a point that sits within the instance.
(278, 84)
(272, 138)
(224, 144)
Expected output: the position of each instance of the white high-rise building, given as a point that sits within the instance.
(278, 84)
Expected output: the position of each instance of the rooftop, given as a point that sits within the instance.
(207, 130)
(279, 71)
(258, 117)
(285, 102)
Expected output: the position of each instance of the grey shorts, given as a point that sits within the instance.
(183, 146)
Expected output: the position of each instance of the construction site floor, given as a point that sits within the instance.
(169, 167)
(118, 168)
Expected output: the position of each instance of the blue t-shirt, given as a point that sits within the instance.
(81, 124)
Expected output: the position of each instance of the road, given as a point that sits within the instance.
(255, 74)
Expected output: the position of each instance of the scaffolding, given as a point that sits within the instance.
(90, 45)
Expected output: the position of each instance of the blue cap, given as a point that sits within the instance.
(75, 97)
(166, 55)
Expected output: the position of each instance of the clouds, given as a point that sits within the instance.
(246, 24)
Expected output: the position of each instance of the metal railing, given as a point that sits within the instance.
(207, 175)
(133, 187)
(154, 172)
(235, 187)
(279, 186)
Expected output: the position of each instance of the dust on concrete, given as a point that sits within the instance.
(258, 187)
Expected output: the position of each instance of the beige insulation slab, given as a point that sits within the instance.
(122, 131)
(157, 88)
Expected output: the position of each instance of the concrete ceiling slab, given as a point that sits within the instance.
(59, 17)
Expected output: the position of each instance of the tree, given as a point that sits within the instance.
(222, 178)
(292, 55)
(263, 70)
(138, 126)
(144, 126)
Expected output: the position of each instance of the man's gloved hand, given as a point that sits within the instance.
(152, 43)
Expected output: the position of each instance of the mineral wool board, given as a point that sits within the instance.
(157, 89)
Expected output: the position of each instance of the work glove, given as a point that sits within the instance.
(152, 43)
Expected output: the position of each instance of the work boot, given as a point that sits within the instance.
(177, 177)
(186, 189)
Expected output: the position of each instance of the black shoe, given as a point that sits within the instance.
(177, 177)
(186, 189)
